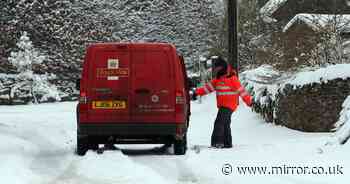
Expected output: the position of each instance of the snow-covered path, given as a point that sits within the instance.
(37, 146)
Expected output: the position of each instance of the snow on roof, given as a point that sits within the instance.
(270, 7)
(316, 21)
(193, 74)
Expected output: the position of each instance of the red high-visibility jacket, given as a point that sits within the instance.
(228, 90)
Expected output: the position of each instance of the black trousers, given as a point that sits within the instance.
(222, 128)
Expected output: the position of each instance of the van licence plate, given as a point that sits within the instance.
(115, 104)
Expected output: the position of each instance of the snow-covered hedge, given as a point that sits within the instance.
(263, 83)
(14, 90)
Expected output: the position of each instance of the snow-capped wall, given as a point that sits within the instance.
(307, 101)
(312, 107)
(320, 75)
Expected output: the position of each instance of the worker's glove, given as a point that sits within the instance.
(193, 94)
(252, 103)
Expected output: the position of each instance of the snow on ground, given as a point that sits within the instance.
(37, 146)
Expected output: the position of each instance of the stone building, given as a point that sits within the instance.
(304, 31)
(300, 25)
(285, 10)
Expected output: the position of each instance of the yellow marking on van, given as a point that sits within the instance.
(111, 104)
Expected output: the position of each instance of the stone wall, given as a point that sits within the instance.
(311, 108)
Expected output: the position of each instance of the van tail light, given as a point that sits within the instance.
(83, 98)
(179, 102)
(180, 98)
(83, 102)
(180, 130)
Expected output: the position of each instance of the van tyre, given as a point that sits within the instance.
(180, 146)
(93, 147)
(82, 145)
(91, 143)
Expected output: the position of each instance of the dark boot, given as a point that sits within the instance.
(219, 146)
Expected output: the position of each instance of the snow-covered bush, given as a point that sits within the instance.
(24, 59)
(263, 83)
(342, 133)
(43, 90)
(262, 80)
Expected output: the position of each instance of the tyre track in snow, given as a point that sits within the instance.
(47, 160)
(70, 176)
(51, 162)
(173, 168)
(60, 165)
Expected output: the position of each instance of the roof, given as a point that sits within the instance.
(277, 10)
(270, 7)
(317, 21)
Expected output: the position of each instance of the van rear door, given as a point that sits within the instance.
(109, 87)
(153, 85)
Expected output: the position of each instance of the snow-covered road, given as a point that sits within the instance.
(37, 146)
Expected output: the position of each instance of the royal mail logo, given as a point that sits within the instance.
(116, 72)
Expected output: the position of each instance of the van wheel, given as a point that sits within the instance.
(82, 146)
(180, 146)
(91, 143)
(94, 147)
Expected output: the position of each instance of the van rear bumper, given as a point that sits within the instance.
(127, 129)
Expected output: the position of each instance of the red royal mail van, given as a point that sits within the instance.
(133, 93)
